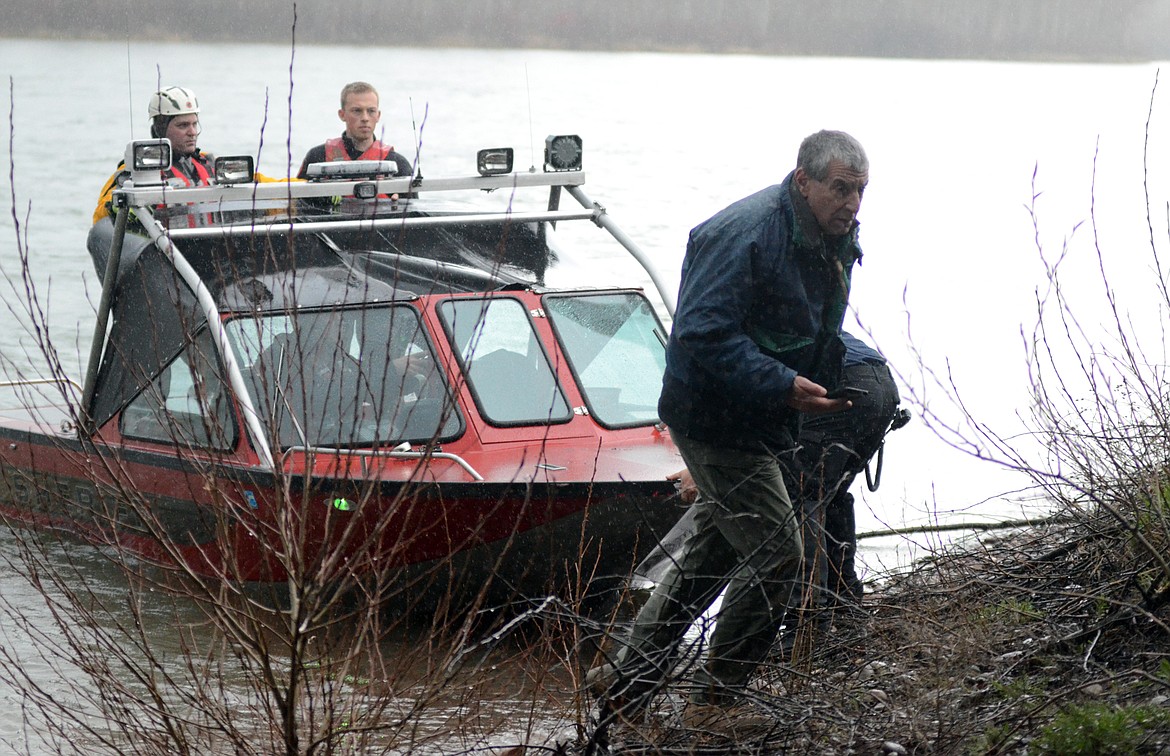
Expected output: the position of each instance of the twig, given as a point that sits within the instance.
(953, 526)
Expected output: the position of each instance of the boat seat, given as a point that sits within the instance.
(510, 387)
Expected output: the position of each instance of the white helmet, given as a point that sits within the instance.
(173, 101)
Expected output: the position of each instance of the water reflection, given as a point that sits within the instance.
(78, 629)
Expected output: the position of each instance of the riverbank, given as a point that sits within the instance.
(1052, 640)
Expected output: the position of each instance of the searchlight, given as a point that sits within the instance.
(147, 159)
(235, 169)
(494, 161)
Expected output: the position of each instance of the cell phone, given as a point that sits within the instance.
(846, 392)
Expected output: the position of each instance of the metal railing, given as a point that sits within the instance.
(395, 453)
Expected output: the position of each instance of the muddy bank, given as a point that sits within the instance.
(1046, 640)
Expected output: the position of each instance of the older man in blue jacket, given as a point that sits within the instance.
(755, 343)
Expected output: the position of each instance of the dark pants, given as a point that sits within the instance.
(834, 448)
(745, 539)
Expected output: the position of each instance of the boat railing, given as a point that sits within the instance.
(143, 198)
(252, 417)
(42, 382)
(367, 224)
(62, 383)
(602, 219)
(26, 406)
(395, 453)
(287, 190)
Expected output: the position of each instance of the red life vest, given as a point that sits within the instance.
(204, 179)
(200, 168)
(335, 150)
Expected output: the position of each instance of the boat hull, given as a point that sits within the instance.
(427, 540)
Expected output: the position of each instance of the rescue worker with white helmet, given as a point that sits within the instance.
(174, 114)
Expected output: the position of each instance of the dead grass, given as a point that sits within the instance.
(1041, 641)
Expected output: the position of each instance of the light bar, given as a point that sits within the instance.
(351, 169)
(234, 169)
(494, 161)
(283, 190)
(147, 159)
(562, 153)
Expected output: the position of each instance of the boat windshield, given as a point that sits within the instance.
(507, 369)
(615, 346)
(344, 377)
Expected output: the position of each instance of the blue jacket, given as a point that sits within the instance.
(761, 300)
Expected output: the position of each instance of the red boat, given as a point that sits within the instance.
(360, 375)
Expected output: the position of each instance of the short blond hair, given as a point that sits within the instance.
(356, 88)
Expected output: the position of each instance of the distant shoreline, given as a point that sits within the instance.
(1023, 57)
(1062, 31)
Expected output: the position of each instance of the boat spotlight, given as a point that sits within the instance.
(562, 153)
(147, 159)
(494, 161)
(234, 169)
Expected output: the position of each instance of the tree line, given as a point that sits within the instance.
(996, 29)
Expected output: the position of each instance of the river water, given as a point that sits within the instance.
(975, 167)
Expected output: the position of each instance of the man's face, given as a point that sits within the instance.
(836, 200)
(183, 131)
(361, 115)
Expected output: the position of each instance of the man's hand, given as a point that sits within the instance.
(809, 397)
(687, 490)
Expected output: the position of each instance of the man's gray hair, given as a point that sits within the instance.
(819, 149)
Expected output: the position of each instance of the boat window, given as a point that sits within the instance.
(187, 404)
(506, 367)
(344, 377)
(615, 347)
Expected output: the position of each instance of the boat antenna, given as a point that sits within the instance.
(531, 136)
(129, 77)
(417, 138)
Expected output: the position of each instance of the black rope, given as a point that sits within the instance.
(874, 479)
